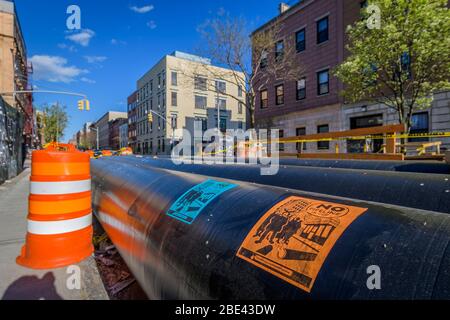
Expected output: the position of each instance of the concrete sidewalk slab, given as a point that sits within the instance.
(18, 283)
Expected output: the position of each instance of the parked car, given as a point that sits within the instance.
(126, 151)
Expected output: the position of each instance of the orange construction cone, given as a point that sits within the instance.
(60, 215)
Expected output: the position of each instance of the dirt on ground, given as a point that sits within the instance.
(118, 280)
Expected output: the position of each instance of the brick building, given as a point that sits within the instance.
(312, 104)
(132, 120)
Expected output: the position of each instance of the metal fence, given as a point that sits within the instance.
(11, 142)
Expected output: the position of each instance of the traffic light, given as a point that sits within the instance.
(84, 105)
(150, 117)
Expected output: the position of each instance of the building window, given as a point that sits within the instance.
(221, 86)
(419, 124)
(323, 145)
(279, 50)
(264, 57)
(322, 30)
(174, 121)
(223, 124)
(201, 124)
(263, 99)
(240, 125)
(281, 145)
(221, 104)
(239, 91)
(301, 89)
(300, 41)
(323, 85)
(279, 95)
(174, 99)
(300, 132)
(174, 78)
(200, 83)
(240, 107)
(200, 102)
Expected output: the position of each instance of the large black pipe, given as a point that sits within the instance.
(420, 191)
(434, 167)
(172, 259)
(400, 166)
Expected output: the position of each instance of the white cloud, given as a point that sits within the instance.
(117, 42)
(54, 69)
(143, 9)
(87, 80)
(95, 59)
(151, 24)
(82, 38)
(66, 46)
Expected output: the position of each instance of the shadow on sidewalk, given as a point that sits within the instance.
(33, 288)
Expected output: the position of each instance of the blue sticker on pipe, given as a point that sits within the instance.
(193, 201)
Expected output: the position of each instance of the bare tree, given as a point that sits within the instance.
(252, 58)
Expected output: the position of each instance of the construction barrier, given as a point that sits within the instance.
(427, 192)
(187, 236)
(60, 214)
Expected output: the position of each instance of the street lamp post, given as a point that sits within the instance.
(96, 130)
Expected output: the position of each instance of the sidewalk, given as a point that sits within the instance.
(18, 283)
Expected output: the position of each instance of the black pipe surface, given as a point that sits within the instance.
(415, 190)
(345, 245)
(400, 166)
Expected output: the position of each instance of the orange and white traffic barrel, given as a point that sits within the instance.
(60, 216)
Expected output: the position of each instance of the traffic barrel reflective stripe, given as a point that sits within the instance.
(59, 229)
(58, 188)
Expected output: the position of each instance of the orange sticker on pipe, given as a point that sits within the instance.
(293, 239)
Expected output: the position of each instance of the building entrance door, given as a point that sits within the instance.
(357, 146)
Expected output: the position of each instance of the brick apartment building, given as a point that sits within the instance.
(132, 120)
(312, 104)
(105, 125)
(16, 110)
(114, 132)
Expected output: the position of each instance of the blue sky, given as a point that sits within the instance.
(120, 40)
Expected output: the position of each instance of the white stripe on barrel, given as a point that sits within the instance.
(62, 187)
(59, 227)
